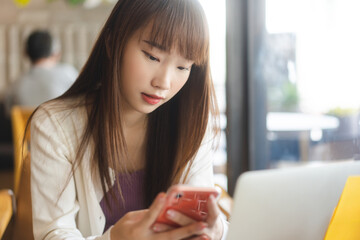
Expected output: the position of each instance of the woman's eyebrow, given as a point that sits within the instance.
(156, 45)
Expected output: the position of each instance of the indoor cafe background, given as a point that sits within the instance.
(285, 71)
(76, 24)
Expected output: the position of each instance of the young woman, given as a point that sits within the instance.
(134, 123)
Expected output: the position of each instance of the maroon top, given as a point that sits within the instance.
(132, 191)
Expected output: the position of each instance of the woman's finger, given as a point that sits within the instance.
(154, 210)
(213, 211)
(201, 237)
(159, 227)
(188, 231)
(137, 215)
(179, 218)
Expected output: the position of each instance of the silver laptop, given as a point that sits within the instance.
(288, 204)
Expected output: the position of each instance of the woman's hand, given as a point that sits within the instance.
(213, 230)
(138, 225)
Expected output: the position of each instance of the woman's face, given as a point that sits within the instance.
(150, 76)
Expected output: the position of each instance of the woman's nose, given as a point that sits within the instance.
(162, 80)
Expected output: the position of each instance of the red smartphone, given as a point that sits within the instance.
(191, 201)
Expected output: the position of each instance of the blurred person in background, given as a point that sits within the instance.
(47, 77)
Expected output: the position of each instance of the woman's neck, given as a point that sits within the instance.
(134, 128)
(134, 120)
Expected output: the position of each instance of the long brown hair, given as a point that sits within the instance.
(176, 128)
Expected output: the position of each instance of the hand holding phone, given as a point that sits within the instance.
(188, 200)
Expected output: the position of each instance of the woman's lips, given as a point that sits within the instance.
(151, 99)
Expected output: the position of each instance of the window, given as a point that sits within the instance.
(292, 83)
(309, 63)
(215, 13)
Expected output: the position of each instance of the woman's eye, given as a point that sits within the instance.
(183, 68)
(152, 58)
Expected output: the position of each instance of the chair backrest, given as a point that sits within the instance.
(225, 202)
(23, 228)
(20, 210)
(7, 208)
(19, 118)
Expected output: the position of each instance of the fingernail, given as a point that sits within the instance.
(212, 198)
(171, 213)
(202, 226)
(156, 228)
(161, 197)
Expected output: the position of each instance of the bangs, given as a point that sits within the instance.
(182, 25)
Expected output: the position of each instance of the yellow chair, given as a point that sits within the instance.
(345, 222)
(17, 208)
(7, 208)
(19, 118)
(225, 202)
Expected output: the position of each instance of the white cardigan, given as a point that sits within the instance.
(68, 208)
